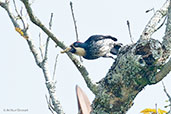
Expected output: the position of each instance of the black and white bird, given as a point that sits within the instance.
(95, 46)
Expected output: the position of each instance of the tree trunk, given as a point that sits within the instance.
(136, 66)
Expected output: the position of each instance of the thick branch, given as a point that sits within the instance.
(168, 25)
(154, 21)
(163, 72)
(167, 38)
(135, 67)
(79, 66)
(167, 48)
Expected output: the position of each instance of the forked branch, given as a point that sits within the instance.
(41, 63)
(78, 65)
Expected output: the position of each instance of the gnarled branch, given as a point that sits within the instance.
(135, 67)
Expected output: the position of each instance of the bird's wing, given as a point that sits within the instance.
(96, 38)
(111, 37)
(100, 47)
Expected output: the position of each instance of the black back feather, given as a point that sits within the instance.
(99, 37)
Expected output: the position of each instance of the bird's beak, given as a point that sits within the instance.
(66, 50)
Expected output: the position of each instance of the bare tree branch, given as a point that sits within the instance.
(167, 48)
(75, 25)
(163, 72)
(6, 7)
(49, 105)
(22, 32)
(135, 67)
(79, 66)
(47, 41)
(37, 22)
(153, 23)
(40, 45)
(167, 38)
(54, 70)
(161, 24)
(49, 83)
(167, 94)
(152, 9)
(129, 29)
(20, 17)
(156, 108)
(50, 22)
(73, 17)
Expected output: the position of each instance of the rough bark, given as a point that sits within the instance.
(137, 65)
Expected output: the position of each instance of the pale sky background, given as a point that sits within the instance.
(22, 83)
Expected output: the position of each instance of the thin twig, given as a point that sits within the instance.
(73, 17)
(156, 108)
(50, 22)
(54, 70)
(49, 104)
(40, 45)
(152, 9)
(20, 17)
(129, 29)
(46, 49)
(75, 25)
(15, 7)
(167, 94)
(21, 11)
(47, 41)
(161, 24)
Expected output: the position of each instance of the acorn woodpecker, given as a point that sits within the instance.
(95, 46)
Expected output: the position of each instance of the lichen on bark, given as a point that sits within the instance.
(134, 68)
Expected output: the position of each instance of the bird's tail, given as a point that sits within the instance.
(116, 48)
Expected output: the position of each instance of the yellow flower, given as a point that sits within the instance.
(161, 111)
(153, 111)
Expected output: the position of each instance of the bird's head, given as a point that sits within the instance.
(77, 48)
